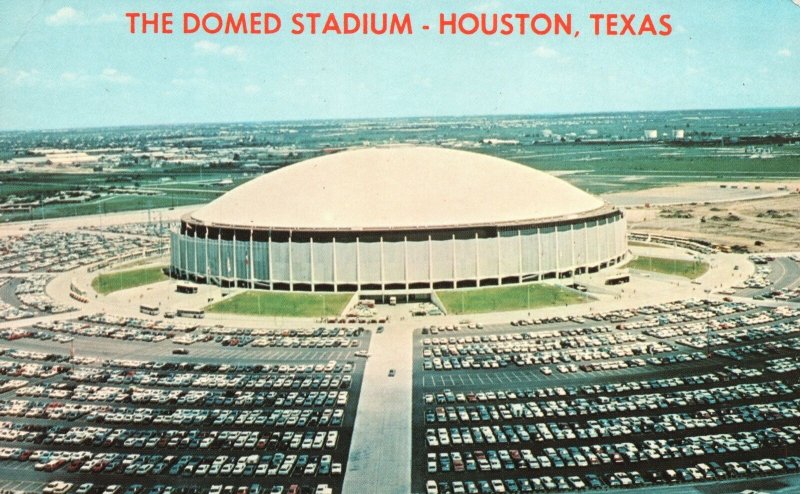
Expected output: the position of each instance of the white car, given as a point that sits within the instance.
(57, 487)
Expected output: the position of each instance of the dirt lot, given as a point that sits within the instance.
(774, 221)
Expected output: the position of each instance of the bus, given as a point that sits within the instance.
(186, 289)
(149, 309)
(195, 313)
(618, 280)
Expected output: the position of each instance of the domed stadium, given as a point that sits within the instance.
(397, 218)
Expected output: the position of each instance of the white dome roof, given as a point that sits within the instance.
(397, 188)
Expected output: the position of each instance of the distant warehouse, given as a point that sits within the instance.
(397, 218)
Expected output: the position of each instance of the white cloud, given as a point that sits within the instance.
(545, 52)
(206, 46)
(65, 16)
(488, 7)
(68, 16)
(235, 52)
(69, 76)
(26, 77)
(252, 89)
(785, 52)
(115, 76)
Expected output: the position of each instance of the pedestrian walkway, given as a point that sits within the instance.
(380, 452)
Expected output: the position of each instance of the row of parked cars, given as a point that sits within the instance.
(107, 437)
(67, 411)
(643, 402)
(515, 432)
(195, 466)
(598, 455)
(183, 397)
(63, 487)
(709, 471)
(57, 251)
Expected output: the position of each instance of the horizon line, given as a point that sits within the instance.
(399, 117)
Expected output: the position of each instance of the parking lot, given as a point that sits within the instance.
(679, 394)
(127, 409)
(775, 278)
(689, 392)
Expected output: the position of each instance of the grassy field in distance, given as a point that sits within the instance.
(264, 303)
(597, 169)
(507, 298)
(687, 269)
(111, 282)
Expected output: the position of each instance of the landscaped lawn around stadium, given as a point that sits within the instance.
(688, 269)
(507, 298)
(120, 280)
(282, 304)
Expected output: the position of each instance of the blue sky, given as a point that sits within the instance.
(72, 63)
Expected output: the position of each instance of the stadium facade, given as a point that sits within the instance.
(397, 218)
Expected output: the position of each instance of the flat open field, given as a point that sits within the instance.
(506, 298)
(112, 282)
(596, 168)
(282, 304)
(688, 269)
(773, 222)
(601, 169)
(184, 187)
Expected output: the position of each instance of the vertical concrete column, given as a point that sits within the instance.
(405, 259)
(185, 256)
(335, 285)
(291, 269)
(597, 241)
(311, 257)
(519, 248)
(455, 263)
(235, 274)
(477, 261)
(539, 251)
(499, 258)
(252, 263)
(194, 241)
(219, 257)
(558, 263)
(430, 261)
(207, 270)
(586, 244)
(572, 247)
(383, 273)
(358, 265)
(269, 258)
(177, 237)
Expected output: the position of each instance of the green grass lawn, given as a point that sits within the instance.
(506, 298)
(688, 269)
(112, 282)
(282, 304)
(636, 243)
